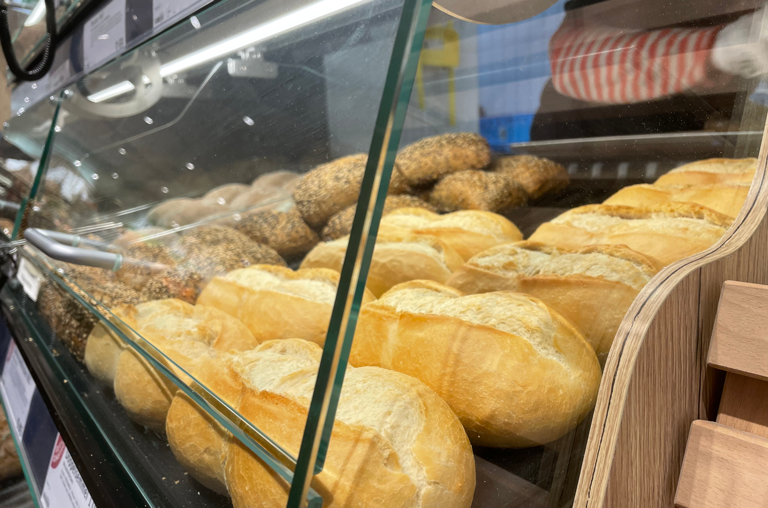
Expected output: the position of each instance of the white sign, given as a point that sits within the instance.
(30, 278)
(64, 487)
(18, 387)
(163, 10)
(104, 34)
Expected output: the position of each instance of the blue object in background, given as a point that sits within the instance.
(501, 131)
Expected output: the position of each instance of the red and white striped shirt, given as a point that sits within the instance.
(613, 66)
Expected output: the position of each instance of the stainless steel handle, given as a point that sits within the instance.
(62, 247)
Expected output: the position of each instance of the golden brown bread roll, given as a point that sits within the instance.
(432, 158)
(276, 302)
(341, 223)
(514, 371)
(477, 190)
(286, 232)
(394, 442)
(711, 172)
(724, 198)
(576, 283)
(468, 232)
(666, 233)
(536, 175)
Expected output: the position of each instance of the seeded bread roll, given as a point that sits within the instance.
(276, 302)
(576, 283)
(724, 198)
(225, 194)
(182, 212)
(261, 197)
(158, 259)
(396, 258)
(432, 158)
(160, 214)
(341, 223)
(477, 190)
(711, 172)
(514, 371)
(286, 232)
(666, 233)
(278, 179)
(201, 239)
(468, 232)
(394, 442)
(536, 175)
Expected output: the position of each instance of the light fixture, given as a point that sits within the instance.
(111, 92)
(262, 32)
(37, 14)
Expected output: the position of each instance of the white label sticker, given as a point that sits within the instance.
(104, 34)
(30, 278)
(163, 10)
(64, 487)
(18, 387)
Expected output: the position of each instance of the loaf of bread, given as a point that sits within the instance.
(477, 190)
(666, 233)
(394, 442)
(286, 232)
(276, 302)
(341, 223)
(225, 194)
(724, 198)
(468, 232)
(536, 175)
(514, 371)
(712, 172)
(576, 283)
(432, 158)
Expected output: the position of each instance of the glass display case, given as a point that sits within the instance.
(370, 252)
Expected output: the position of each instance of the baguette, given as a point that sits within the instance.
(432, 158)
(536, 175)
(666, 233)
(477, 190)
(341, 224)
(724, 198)
(514, 371)
(712, 172)
(576, 283)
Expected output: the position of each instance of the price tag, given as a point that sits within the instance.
(104, 34)
(163, 10)
(30, 278)
(18, 387)
(64, 487)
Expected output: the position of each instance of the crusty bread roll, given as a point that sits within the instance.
(477, 190)
(101, 353)
(536, 175)
(276, 302)
(514, 371)
(711, 172)
(286, 232)
(394, 442)
(666, 233)
(724, 198)
(396, 258)
(225, 194)
(341, 223)
(160, 214)
(183, 211)
(262, 197)
(469, 232)
(279, 179)
(241, 250)
(432, 158)
(576, 283)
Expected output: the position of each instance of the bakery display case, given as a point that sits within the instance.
(375, 253)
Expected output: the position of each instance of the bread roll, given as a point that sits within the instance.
(101, 353)
(266, 197)
(711, 172)
(396, 259)
(724, 198)
(432, 158)
(536, 175)
(157, 258)
(276, 302)
(576, 283)
(131, 237)
(468, 232)
(277, 179)
(239, 247)
(514, 371)
(477, 190)
(394, 442)
(160, 214)
(225, 194)
(666, 233)
(341, 223)
(182, 212)
(286, 232)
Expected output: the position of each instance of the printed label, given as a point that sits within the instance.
(30, 278)
(64, 487)
(18, 387)
(104, 34)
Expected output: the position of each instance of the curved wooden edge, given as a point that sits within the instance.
(671, 302)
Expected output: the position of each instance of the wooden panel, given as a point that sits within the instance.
(739, 339)
(723, 467)
(744, 404)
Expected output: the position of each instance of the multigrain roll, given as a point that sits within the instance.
(536, 175)
(156, 258)
(276, 302)
(341, 223)
(468, 232)
(396, 258)
(236, 245)
(666, 233)
(394, 443)
(576, 283)
(514, 371)
(711, 172)
(724, 198)
(286, 232)
(477, 190)
(432, 158)
(261, 197)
